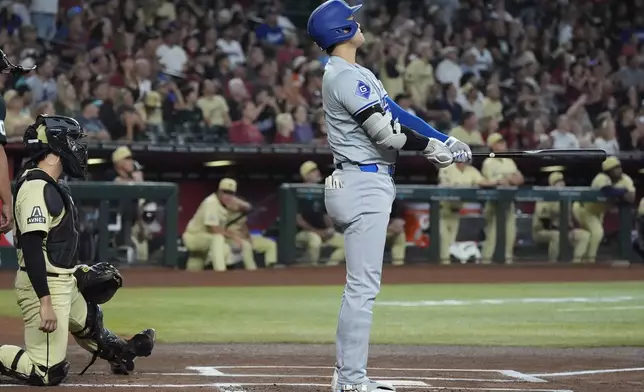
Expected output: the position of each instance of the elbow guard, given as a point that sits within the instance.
(380, 128)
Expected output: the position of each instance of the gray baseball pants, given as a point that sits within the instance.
(359, 200)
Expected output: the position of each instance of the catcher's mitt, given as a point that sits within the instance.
(98, 283)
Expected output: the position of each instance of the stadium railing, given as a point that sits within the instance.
(504, 196)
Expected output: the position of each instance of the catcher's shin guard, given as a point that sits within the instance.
(120, 353)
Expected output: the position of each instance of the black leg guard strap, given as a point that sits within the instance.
(118, 352)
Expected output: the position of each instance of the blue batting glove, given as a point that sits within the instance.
(460, 150)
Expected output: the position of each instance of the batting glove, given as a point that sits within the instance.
(438, 153)
(460, 150)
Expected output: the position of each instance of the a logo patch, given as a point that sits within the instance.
(363, 90)
(36, 217)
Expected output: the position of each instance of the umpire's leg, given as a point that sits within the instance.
(43, 361)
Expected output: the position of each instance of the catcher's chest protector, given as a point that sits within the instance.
(62, 240)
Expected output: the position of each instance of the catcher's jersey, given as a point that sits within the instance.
(348, 89)
(32, 214)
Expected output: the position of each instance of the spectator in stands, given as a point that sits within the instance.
(43, 16)
(419, 74)
(16, 120)
(267, 110)
(171, 55)
(468, 130)
(468, 63)
(231, 46)
(214, 106)
(319, 129)
(290, 51)
(562, 136)
(392, 68)
(150, 111)
(303, 131)
(448, 103)
(269, 31)
(238, 94)
(404, 101)
(245, 131)
(482, 55)
(66, 103)
(285, 128)
(42, 84)
(30, 47)
(314, 224)
(90, 122)
(492, 105)
(471, 100)
(187, 116)
(126, 125)
(448, 70)
(607, 139)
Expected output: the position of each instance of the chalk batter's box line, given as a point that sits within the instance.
(512, 375)
(235, 387)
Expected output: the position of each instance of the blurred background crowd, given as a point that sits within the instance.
(543, 73)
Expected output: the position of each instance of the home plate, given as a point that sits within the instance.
(404, 383)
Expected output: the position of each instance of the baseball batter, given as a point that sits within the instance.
(366, 130)
(55, 295)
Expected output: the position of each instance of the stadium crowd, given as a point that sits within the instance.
(543, 73)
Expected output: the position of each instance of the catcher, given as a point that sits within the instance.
(54, 294)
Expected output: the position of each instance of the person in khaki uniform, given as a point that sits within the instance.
(618, 187)
(500, 172)
(396, 238)
(545, 226)
(206, 237)
(50, 285)
(419, 75)
(456, 175)
(467, 132)
(315, 225)
(237, 223)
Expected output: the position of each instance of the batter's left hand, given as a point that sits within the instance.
(6, 220)
(460, 150)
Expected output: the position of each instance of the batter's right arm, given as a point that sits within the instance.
(357, 98)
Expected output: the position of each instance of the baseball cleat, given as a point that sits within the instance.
(140, 345)
(369, 386)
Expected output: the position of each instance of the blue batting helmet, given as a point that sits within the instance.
(330, 23)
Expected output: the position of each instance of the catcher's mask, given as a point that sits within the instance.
(62, 136)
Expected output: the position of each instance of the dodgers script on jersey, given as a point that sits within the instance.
(347, 89)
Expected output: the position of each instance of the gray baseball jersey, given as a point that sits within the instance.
(347, 89)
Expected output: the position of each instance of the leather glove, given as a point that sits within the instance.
(438, 153)
(460, 150)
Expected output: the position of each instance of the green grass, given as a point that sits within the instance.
(309, 314)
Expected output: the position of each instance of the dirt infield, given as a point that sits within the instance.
(305, 368)
(307, 276)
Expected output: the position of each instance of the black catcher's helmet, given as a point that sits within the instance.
(62, 136)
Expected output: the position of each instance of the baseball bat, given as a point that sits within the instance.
(594, 154)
